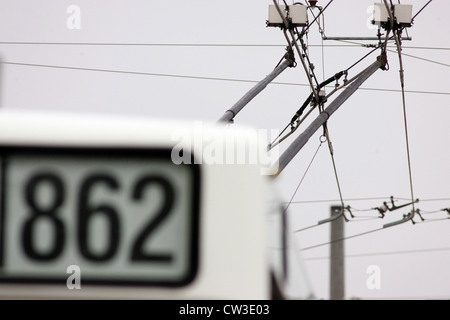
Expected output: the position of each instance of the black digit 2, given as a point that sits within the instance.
(39, 212)
(137, 252)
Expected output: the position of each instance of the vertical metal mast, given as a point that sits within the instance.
(337, 260)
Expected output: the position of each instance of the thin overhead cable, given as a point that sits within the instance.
(354, 44)
(406, 91)
(317, 17)
(238, 45)
(132, 72)
(363, 234)
(423, 59)
(202, 77)
(372, 254)
(366, 199)
(359, 219)
(322, 140)
(432, 220)
(330, 147)
(381, 214)
(402, 83)
(421, 10)
(436, 199)
(360, 60)
(426, 48)
(405, 54)
(342, 239)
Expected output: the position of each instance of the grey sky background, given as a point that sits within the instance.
(196, 82)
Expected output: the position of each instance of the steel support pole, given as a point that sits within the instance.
(303, 138)
(337, 260)
(260, 86)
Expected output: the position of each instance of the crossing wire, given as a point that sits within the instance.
(307, 169)
(363, 234)
(402, 82)
(405, 47)
(413, 18)
(237, 45)
(372, 254)
(204, 77)
(366, 199)
(423, 59)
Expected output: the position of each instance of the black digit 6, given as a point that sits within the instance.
(49, 213)
(87, 211)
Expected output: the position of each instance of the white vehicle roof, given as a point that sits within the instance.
(233, 258)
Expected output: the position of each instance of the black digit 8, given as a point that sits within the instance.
(39, 212)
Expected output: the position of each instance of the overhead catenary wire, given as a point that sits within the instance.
(364, 234)
(326, 132)
(367, 199)
(195, 45)
(415, 16)
(322, 139)
(385, 253)
(404, 47)
(359, 219)
(405, 54)
(317, 17)
(321, 31)
(432, 220)
(330, 147)
(141, 73)
(382, 209)
(435, 211)
(402, 83)
(342, 239)
(423, 59)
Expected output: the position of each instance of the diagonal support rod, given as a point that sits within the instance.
(260, 86)
(303, 138)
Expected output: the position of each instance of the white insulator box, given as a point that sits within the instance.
(402, 12)
(297, 13)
